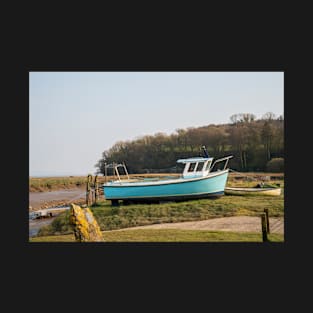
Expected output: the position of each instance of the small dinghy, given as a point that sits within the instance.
(270, 191)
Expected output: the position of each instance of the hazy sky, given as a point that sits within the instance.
(75, 116)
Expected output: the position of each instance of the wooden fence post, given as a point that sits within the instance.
(264, 230)
(89, 177)
(267, 221)
(96, 188)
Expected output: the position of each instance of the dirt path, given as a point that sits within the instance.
(234, 223)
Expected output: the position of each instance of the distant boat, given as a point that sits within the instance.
(201, 178)
(270, 191)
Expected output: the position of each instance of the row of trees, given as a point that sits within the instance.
(253, 143)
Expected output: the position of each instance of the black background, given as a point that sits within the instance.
(185, 275)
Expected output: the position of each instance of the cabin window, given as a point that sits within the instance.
(191, 167)
(219, 166)
(208, 165)
(200, 166)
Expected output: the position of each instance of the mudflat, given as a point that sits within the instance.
(40, 200)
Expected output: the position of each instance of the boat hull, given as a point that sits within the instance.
(178, 189)
(250, 191)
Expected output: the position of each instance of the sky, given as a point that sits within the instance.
(75, 116)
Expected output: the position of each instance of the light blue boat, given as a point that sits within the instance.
(201, 178)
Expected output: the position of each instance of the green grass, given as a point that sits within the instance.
(124, 216)
(168, 235)
(111, 218)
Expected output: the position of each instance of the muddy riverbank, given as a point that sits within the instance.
(35, 225)
(43, 200)
(50, 199)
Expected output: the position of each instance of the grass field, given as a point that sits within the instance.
(113, 218)
(168, 235)
(55, 183)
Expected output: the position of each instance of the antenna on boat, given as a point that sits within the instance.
(205, 151)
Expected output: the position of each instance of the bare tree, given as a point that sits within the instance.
(269, 116)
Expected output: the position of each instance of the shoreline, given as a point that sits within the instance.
(61, 197)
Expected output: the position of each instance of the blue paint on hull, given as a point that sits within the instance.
(180, 189)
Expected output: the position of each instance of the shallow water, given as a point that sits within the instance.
(36, 224)
(39, 199)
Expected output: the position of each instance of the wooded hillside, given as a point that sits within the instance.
(256, 144)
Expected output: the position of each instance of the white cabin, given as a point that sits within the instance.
(196, 167)
(199, 166)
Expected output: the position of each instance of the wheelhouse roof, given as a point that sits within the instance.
(191, 160)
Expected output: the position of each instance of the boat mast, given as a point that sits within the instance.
(205, 152)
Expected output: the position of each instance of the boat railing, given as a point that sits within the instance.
(221, 160)
(115, 167)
